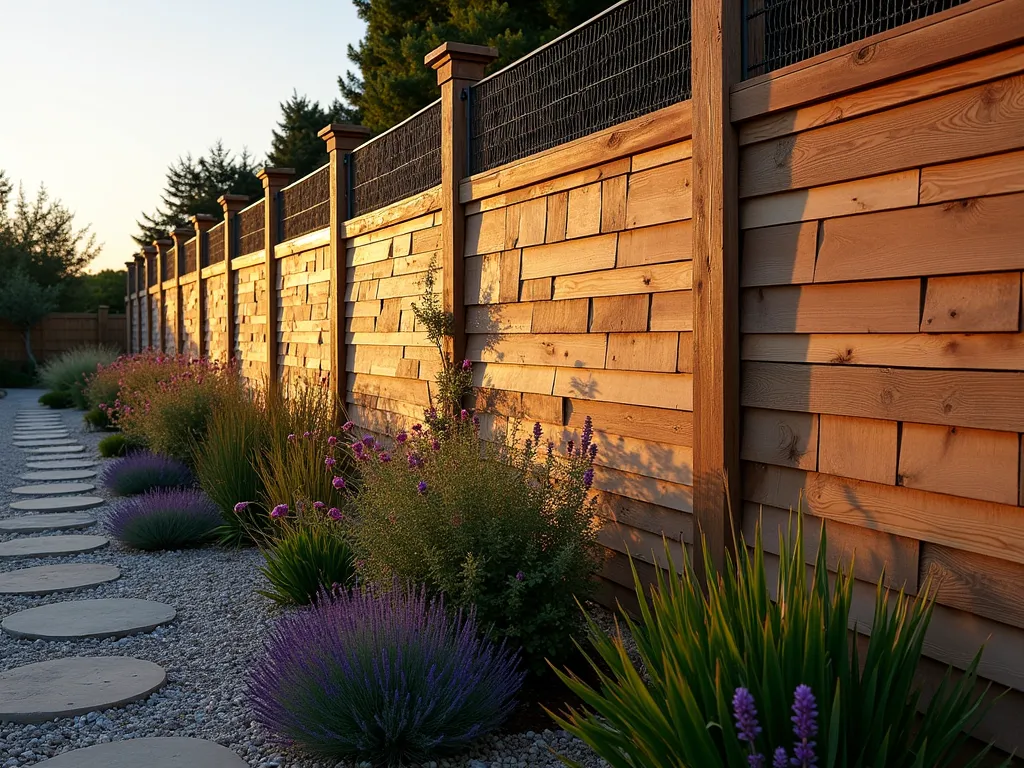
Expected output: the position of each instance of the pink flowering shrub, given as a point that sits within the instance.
(507, 527)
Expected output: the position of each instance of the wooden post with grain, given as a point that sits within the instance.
(130, 302)
(274, 180)
(341, 139)
(716, 411)
(162, 246)
(231, 204)
(201, 223)
(458, 66)
(149, 266)
(179, 235)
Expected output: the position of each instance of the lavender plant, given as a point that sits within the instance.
(143, 471)
(503, 526)
(750, 637)
(163, 519)
(386, 677)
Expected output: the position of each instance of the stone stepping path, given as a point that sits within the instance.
(57, 504)
(39, 692)
(51, 546)
(81, 619)
(151, 752)
(60, 521)
(71, 462)
(53, 449)
(58, 474)
(47, 489)
(47, 579)
(45, 442)
(36, 433)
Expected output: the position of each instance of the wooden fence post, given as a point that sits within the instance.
(716, 409)
(341, 139)
(231, 204)
(274, 180)
(201, 223)
(179, 235)
(458, 66)
(150, 265)
(130, 300)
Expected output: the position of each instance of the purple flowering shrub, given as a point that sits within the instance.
(763, 669)
(385, 677)
(507, 527)
(163, 519)
(143, 471)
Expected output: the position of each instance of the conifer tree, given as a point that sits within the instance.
(295, 143)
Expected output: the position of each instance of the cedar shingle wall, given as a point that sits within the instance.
(304, 327)
(250, 340)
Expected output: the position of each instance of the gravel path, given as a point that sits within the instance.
(206, 651)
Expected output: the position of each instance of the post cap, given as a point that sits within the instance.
(162, 244)
(275, 177)
(483, 54)
(344, 136)
(147, 250)
(232, 202)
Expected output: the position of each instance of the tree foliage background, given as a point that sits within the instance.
(393, 82)
(295, 143)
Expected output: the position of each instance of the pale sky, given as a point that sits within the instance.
(98, 97)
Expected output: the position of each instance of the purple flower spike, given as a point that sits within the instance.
(347, 426)
(241, 506)
(334, 513)
(338, 483)
(384, 456)
(421, 487)
(781, 759)
(330, 462)
(467, 365)
(593, 451)
(588, 433)
(279, 511)
(755, 760)
(417, 427)
(463, 414)
(414, 461)
(805, 727)
(520, 575)
(435, 445)
(332, 440)
(368, 440)
(745, 712)
(537, 432)
(401, 437)
(588, 478)
(569, 447)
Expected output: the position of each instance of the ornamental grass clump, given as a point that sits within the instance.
(389, 677)
(70, 370)
(143, 471)
(305, 561)
(764, 668)
(507, 527)
(165, 519)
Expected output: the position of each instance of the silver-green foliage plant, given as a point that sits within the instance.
(70, 370)
(698, 650)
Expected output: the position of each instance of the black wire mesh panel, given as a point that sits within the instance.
(188, 261)
(167, 265)
(783, 32)
(215, 245)
(629, 61)
(399, 163)
(250, 229)
(306, 204)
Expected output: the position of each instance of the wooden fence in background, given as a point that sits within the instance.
(804, 283)
(61, 331)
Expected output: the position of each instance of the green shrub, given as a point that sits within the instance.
(16, 374)
(97, 419)
(114, 445)
(487, 524)
(225, 461)
(294, 465)
(69, 371)
(701, 655)
(306, 559)
(56, 399)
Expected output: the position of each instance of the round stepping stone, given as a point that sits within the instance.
(51, 546)
(29, 433)
(46, 579)
(46, 489)
(55, 449)
(61, 521)
(39, 692)
(57, 504)
(42, 442)
(82, 619)
(48, 421)
(151, 752)
(71, 462)
(58, 474)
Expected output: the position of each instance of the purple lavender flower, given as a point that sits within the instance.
(368, 440)
(279, 511)
(588, 434)
(537, 432)
(332, 440)
(384, 456)
(338, 483)
(143, 471)
(421, 487)
(330, 461)
(569, 447)
(163, 519)
(347, 426)
(241, 506)
(593, 451)
(357, 449)
(435, 444)
(401, 437)
(414, 461)
(588, 478)
(467, 365)
(520, 575)
(386, 676)
(334, 513)
(805, 727)
(417, 427)
(463, 414)
(745, 711)
(781, 759)
(551, 447)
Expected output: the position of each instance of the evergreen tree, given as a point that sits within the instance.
(295, 144)
(393, 83)
(86, 293)
(193, 186)
(38, 237)
(24, 302)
